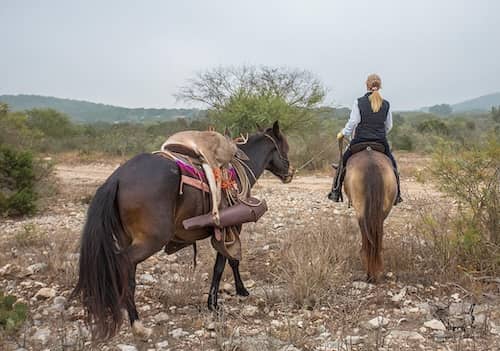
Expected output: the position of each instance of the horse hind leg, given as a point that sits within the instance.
(138, 252)
(138, 329)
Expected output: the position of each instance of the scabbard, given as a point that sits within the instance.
(243, 212)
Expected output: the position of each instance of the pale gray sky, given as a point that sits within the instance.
(138, 53)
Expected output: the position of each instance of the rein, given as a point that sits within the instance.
(277, 148)
(305, 164)
(341, 149)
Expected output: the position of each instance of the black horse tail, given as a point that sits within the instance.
(372, 221)
(103, 269)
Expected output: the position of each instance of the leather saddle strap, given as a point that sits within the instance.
(195, 183)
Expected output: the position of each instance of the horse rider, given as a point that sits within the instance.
(370, 121)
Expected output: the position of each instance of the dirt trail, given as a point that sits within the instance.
(95, 173)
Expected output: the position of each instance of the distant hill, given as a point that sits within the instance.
(89, 112)
(482, 103)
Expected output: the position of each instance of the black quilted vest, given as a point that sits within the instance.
(372, 125)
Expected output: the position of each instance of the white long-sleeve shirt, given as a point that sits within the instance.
(355, 119)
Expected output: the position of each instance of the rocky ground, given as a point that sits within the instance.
(300, 265)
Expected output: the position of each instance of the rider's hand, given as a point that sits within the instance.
(340, 136)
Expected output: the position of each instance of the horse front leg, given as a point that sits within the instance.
(220, 263)
(240, 287)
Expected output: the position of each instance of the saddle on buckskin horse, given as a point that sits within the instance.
(367, 144)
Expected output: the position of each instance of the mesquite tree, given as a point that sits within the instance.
(241, 97)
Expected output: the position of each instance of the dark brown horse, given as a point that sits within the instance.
(135, 213)
(371, 186)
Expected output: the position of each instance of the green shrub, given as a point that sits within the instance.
(402, 142)
(12, 314)
(433, 126)
(17, 180)
(471, 175)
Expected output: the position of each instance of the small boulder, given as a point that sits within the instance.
(360, 285)
(250, 311)
(35, 268)
(399, 296)
(226, 287)
(42, 335)
(147, 279)
(249, 283)
(405, 335)
(178, 333)
(45, 293)
(162, 345)
(435, 324)
(161, 317)
(124, 347)
(7, 269)
(377, 322)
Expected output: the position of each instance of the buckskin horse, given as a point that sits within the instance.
(370, 185)
(135, 213)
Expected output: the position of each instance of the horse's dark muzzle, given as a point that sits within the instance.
(288, 178)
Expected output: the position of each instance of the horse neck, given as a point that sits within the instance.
(258, 152)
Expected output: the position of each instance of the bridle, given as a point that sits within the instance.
(284, 159)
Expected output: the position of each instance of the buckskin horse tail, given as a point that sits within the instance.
(103, 270)
(372, 220)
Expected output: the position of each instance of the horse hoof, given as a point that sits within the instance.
(141, 331)
(242, 292)
(212, 304)
(213, 307)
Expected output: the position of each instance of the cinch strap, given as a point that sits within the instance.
(195, 183)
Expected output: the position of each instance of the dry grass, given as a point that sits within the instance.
(313, 262)
(438, 252)
(62, 261)
(55, 249)
(182, 287)
(28, 236)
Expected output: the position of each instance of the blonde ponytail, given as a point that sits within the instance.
(373, 84)
(376, 100)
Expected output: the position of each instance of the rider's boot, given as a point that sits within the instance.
(336, 193)
(398, 196)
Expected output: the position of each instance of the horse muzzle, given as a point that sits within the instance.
(289, 176)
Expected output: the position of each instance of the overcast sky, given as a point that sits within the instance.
(138, 53)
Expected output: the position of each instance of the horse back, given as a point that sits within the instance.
(366, 170)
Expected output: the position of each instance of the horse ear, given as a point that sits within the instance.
(211, 128)
(276, 128)
(227, 132)
(259, 128)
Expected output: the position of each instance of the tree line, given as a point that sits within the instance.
(237, 98)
